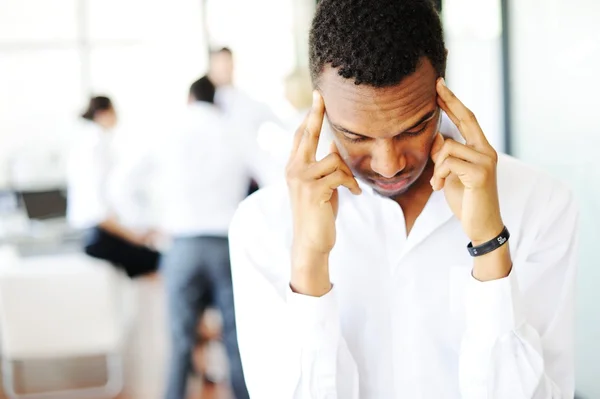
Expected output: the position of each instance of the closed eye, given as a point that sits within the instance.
(413, 133)
(359, 139)
(354, 139)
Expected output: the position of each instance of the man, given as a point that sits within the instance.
(369, 290)
(205, 178)
(245, 114)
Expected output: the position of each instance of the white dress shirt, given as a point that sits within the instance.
(205, 167)
(405, 318)
(248, 113)
(88, 168)
(100, 182)
(246, 117)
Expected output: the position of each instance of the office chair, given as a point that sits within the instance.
(60, 307)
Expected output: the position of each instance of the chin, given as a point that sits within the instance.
(391, 194)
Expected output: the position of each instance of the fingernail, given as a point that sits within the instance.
(315, 96)
(443, 82)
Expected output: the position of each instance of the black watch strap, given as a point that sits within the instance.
(491, 245)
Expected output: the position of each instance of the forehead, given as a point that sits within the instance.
(378, 112)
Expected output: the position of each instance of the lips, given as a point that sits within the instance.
(391, 185)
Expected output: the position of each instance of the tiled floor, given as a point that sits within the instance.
(145, 356)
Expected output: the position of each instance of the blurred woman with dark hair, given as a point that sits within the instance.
(101, 111)
(92, 202)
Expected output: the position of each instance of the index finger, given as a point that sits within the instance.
(307, 148)
(462, 117)
(299, 133)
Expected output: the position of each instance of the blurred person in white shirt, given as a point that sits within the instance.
(277, 140)
(245, 114)
(205, 173)
(298, 92)
(98, 199)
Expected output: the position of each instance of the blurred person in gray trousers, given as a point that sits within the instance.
(204, 180)
(206, 165)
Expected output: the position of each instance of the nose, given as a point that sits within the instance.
(386, 159)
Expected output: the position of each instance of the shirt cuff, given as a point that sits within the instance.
(493, 308)
(316, 319)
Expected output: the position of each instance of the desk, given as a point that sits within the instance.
(32, 238)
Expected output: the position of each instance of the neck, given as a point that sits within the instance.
(104, 126)
(218, 83)
(414, 200)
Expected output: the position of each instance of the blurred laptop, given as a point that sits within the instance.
(45, 205)
(50, 232)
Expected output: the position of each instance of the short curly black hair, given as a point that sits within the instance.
(375, 42)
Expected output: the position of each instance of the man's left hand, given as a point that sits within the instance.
(467, 172)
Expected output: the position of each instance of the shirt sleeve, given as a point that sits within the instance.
(519, 334)
(291, 345)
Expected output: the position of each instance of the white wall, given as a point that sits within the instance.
(474, 70)
(555, 64)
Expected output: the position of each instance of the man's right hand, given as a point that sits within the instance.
(313, 192)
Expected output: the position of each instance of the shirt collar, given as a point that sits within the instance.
(435, 213)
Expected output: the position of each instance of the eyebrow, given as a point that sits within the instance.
(426, 118)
